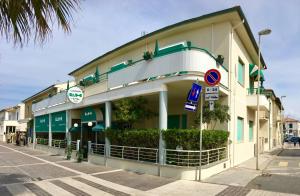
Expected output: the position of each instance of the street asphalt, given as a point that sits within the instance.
(24, 171)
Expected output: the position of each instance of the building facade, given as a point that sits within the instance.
(40, 96)
(291, 127)
(161, 67)
(12, 121)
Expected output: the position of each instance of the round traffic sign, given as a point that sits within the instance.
(212, 77)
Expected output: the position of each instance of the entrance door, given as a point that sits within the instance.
(87, 135)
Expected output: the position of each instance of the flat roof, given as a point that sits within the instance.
(237, 9)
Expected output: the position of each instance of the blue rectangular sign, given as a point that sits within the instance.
(194, 93)
(190, 107)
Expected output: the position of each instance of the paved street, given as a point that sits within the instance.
(282, 173)
(24, 171)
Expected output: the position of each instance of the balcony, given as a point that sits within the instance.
(264, 115)
(58, 99)
(252, 99)
(195, 61)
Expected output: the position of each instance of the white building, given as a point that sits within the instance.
(12, 119)
(182, 53)
(291, 127)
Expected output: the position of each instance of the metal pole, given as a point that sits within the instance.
(200, 136)
(257, 95)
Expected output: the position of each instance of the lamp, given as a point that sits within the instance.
(260, 33)
(75, 124)
(90, 124)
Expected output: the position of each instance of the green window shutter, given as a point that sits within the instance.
(42, 123)
(250, 131)
(241, 71)
(58, 122)
(240, 129)
(173, 121)
(183, 121)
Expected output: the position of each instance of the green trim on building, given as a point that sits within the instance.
(203, 17)
(42, 123)
(58, 122)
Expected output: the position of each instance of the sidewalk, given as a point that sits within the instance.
(242, 174)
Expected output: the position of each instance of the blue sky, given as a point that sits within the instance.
(101, 26)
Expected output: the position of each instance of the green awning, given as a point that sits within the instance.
(98, 127)
(253, 72)
(74, 129)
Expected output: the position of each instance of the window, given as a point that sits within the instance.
(240, 129)
(241, 72)
(17, 115)
(290, 125)
(250, 131)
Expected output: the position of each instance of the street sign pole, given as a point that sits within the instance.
(200, 136)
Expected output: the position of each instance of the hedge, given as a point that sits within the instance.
(148, 138)
(188, 139)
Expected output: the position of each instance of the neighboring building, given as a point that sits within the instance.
(182, 53)
(38, 97)
(275, 119)
(291, 127)
(12, 120)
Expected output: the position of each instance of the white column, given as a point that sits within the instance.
(107, 125)
(50, 131)
(163, 121)
(34, 134)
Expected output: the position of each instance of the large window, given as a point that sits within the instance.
(240, 129)
(241, 72)
(250, 131)
(290, 125)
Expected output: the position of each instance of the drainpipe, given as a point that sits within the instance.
(270, 131)
(231, 86)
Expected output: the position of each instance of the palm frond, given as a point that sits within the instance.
(22, 19)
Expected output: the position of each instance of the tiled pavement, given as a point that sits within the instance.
(27, 172)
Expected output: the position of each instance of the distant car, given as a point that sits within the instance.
(292, 139)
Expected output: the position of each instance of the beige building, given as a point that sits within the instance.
(38, 97)
(161, 67)
(12, 120)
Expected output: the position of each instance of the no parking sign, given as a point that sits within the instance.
(212, 77)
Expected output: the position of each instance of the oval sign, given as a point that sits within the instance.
(75, 94)
(212, 77)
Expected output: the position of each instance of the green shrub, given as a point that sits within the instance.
(188, 139)
(148, 138)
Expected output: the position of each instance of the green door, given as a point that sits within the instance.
(173, 121)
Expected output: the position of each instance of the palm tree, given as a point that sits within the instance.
(22, 19)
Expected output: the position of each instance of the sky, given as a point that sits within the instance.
(101, 25)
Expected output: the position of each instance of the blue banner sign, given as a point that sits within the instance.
(194, 93)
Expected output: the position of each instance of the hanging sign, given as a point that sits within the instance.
(75, 94)
(212, 89)
(194, 93)
(211, 105)
(190, 107)
(211, 97)
(212, 77)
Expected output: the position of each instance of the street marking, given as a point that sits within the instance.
(105, 172)
(51, 163)
(29, 164)
(52, 189)
(283, 164)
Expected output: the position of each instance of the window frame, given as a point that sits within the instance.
(238, 139)
(242, 65)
